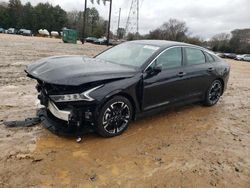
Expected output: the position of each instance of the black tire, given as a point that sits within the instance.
(114, 117)
(213, 93)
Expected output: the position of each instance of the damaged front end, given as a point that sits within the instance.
(71, 89)
(67, 110)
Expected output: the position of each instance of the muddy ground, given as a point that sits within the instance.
(192, 146)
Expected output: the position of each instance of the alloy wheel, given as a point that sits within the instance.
(215, 92)
(116, 117)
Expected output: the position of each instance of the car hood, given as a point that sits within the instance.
(76, 70)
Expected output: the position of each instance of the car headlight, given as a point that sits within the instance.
(75, 97)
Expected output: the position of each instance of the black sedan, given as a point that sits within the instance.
(91, 39)
(129, 80)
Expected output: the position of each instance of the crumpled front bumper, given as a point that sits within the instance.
(71, 118)
(63, 122)
(55, 121)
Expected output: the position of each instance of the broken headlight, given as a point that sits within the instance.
(74, 97)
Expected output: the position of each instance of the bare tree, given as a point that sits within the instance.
(220, 42)
(196, 40)
(172, 30)
(221, 37)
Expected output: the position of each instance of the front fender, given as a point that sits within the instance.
(130, 88)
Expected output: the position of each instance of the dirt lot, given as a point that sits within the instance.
(192, 146)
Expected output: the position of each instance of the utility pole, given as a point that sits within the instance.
(110, 11)
(84, 22)
(119, 18)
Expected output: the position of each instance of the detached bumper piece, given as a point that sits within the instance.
(60, 127)
(29, 122)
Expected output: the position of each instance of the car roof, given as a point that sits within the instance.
(163, 43)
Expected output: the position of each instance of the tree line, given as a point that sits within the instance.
(238, 41)
(41, 16)
(54, 18)
(173, 30)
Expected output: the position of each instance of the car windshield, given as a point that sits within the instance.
(131, 54)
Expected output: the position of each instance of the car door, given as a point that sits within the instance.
(199, 71)
(168, 85)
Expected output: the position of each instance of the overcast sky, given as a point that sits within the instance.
(203, 17)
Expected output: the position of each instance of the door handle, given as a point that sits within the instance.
(181, 74)
(210, 69)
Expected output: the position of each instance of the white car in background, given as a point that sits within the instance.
(245, 57)
(11, 31)
(44, 32)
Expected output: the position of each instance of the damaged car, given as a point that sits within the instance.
(125, 82)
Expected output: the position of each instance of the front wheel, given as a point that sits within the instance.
(114, 117)
(213, 93)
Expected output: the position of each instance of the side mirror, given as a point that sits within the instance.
(157, 68)
(154, 70)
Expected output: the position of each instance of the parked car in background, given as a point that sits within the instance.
(24, 32)
(27, 32)
(54, 34)
(90, 39)
(221, 55)
(2, 30)
(122, 83)
(20, 31)
(11, 31)
(230, 55)
(44, 32)
(104, 41)
(244, 57)
(100, 41)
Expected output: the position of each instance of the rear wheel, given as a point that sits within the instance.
(114, 117)
(214, 93)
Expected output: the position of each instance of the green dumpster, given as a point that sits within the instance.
(69, 36)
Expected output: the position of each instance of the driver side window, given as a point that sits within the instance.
(171, 58)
